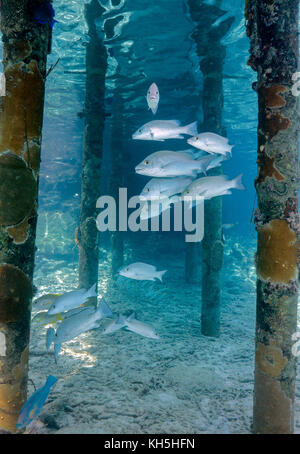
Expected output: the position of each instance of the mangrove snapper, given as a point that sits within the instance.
(142, 272)
(172, 164)
(158, 188)
(153, 98)
(164, 129)
(211, 143)
(209, 187)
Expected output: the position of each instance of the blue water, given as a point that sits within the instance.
(125, 383)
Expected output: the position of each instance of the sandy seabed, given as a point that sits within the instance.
(126, 384)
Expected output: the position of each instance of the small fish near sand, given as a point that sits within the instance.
(44, 301)
(132, 324)
(164, 129)
(153, 98)
(169, 164)
(44, 14)
(211, 143)
(209, 187)
(34, 405)
(78, 321)
(72, 299)
(142, 272)
(44, 319)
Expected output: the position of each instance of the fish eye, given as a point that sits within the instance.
(140, 130)
(147, 162)
(148, 189)
(187, 191)
(196, 138)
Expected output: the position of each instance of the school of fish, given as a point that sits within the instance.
(174, 175)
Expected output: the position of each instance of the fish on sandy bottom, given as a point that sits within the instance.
(44, 301)
(70, 300)
(76, 322)
(131, 324)
(142, 272)
(34, 405)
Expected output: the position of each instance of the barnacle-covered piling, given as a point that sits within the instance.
(117, 177)
(25, 46)
(96, 64)
(272, 27)
(211, 54)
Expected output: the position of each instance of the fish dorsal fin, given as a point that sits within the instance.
(188, 152)
(175, 122)
(131, 317)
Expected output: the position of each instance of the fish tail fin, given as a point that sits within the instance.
(237, 182)
(104, 309)
(203, 165)
(230, 150)
(160, 274)
(121, 321)
(57, 348)
(51, 380)
(49, 337)
(92, 291)
(131, 317)
(191, 129)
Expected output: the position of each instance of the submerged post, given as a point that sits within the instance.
(87, 233)
(212, 54)
(117, 178)
(25, 47)
(273, 31)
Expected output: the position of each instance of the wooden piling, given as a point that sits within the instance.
(272, 27)
(96, 65)
(25, 46)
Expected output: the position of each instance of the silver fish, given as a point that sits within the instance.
(141, 328)
(142, 272)
(158, 188)
(132, 324)
(81, 321)
(44, 301)
(157, 207)
(164, 129)
(209, 187)
(211, 143)
(153, 98)
(115, 325)
(72, 299)
(173, 164)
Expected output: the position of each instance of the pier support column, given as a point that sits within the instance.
(117, 179)
(272, 27)
(25, 47)
(212, 55)
(87, 233)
